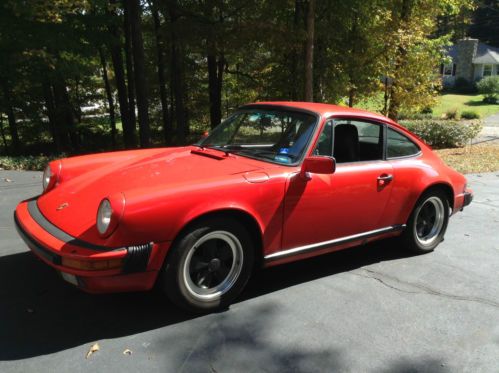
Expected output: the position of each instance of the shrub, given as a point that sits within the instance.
(30, 162)
(452, 114)
(489, 87)
(444, 133)
(463, 85)
(470, 114)
(491, 100)
(427, 110)
(415, 116)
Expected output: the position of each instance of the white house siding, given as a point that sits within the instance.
(478, 70)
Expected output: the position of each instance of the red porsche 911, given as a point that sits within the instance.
(274, 183)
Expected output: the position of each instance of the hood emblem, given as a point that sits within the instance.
(62, 206)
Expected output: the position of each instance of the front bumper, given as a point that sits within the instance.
(140, 264)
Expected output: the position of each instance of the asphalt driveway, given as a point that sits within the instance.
(370, 308)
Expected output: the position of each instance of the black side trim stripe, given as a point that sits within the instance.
(37, 216)
(36, 246)
(331, 243)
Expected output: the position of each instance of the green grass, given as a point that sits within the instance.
(464, 102)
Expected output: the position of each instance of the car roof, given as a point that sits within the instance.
(326, 110)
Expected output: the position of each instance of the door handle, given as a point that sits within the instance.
(384, 179)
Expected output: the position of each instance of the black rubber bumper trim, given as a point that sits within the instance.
(468, 197)
(137, 258)
(36, 246)
(37, 216)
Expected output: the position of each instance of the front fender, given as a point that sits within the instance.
(158, 214)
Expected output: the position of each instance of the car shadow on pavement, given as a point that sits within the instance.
(40, 314)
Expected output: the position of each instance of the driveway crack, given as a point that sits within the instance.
(385, 280)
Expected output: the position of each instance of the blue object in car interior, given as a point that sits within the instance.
(282, 158)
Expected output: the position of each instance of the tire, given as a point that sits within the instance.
(428, 222)
(208, 265)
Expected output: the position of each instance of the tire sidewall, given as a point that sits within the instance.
(410, 235)
(173, 278)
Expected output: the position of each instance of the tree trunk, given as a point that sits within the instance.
(216, 64)
(353, 53)
(2, 133)
(177, 75)
(163, 95)
(15, 143)
(400, 58)
(215, 80)
(109, 95)
(119, 76)
(139, 71)
(309, 52)
(129, 65)
(52, 115)
(295, 86)
(65, 113)
(115, 49)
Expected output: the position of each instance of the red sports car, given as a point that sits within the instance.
(274, 183)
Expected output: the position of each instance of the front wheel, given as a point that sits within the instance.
(209, 265)
(428, 222)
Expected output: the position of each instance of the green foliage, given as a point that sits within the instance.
(444, 133)
(486, 22)
(49, 56)
(31, 163)
(414, 116)
(470, 114)
(463, 85)
(452, 114)
(489, 87)
(415, 52)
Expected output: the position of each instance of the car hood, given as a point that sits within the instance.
(72, 205)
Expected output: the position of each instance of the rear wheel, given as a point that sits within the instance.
(428, 222)
(209, 265)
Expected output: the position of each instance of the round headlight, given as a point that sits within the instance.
(47, 176)
(104, 214)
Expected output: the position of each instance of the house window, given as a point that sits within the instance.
(449, 69)
(487, 70)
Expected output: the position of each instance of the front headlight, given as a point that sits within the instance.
(51, 176)
(47, 176)
(104, 215)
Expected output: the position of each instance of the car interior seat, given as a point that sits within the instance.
(346, 143)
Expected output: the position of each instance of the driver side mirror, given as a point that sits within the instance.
(317, 165)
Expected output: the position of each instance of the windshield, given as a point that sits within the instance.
(275, 135)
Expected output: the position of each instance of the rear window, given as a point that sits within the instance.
(399, 145)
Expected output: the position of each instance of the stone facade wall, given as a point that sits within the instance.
(466, 51)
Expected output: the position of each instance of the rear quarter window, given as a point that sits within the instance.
(399, 145)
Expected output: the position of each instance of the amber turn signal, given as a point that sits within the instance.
(86, 265)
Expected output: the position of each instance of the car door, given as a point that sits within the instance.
(349, 201)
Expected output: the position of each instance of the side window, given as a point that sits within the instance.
(399, 145)
(325, 143)
(357, 140)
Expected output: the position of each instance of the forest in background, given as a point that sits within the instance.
(88, 75)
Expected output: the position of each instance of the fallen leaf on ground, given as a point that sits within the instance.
(127, 352)
(95, 347)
